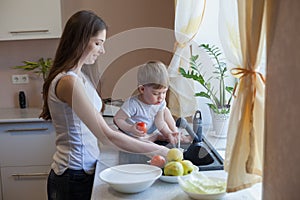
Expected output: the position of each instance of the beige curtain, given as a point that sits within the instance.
(242, 29)
(188, 17)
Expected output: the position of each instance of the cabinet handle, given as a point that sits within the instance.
(27, 129)
(30, 175)
(30, 31)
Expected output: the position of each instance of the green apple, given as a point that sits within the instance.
(173, 168)
(188, 166)
(174, 154)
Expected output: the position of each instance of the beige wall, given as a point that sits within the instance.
(119, 15)
(282, 157)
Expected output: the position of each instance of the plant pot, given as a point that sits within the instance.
(220, 124)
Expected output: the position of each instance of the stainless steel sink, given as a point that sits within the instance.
(211, 161)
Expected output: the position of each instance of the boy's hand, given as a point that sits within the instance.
(137, 131)
(141, 126)
(173, 138)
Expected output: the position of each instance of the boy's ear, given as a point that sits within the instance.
(141, 89)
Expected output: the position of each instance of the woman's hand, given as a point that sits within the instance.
(173, 138)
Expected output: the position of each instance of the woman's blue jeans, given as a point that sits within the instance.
(71, 185)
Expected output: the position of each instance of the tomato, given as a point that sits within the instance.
(158, 161)
(141, 126)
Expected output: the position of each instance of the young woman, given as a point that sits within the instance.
(73, 105)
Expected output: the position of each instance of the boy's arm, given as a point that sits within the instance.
(170, 120)
(161, 123)
(120, 120)
(163, 127)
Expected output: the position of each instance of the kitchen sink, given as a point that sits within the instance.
(210, 158)
(207, 157)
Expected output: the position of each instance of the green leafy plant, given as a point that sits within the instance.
(218, 102)
(41, 67)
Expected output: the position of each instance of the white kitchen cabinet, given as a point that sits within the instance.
(26, 150)
(29, 143)
(25, 182)
(30, 19)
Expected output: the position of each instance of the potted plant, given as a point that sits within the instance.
(41, 67)
(218, 103)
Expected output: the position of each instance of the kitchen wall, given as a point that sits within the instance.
(11, 54)
(125, 19)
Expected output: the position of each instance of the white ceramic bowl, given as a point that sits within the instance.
(214, 181)
(130, 178)
(174, 179)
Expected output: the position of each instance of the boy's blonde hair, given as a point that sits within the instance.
(153, 73)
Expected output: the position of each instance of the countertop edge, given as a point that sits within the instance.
(2, 121)
(16, 115)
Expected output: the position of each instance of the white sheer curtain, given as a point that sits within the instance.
(188, 17)
(242, 29)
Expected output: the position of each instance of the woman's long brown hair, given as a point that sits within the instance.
(76, 35)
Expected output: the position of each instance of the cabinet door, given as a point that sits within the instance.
(30, 19)
(25, 182)
(26, 144)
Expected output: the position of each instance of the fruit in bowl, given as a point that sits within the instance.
(175, 166)
(158, 161)
(174, 154)
(188, 166)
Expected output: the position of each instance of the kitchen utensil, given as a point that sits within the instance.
(198, 186)
(130, 178)
(174, 179)
(196, 152)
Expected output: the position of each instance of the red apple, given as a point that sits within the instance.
(141, 126)
(158, 161)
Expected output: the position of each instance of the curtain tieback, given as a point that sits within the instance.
(250, 163)
(242, 72)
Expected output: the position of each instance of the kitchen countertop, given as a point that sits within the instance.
(11, 115)
(165, 191)
(161, 190)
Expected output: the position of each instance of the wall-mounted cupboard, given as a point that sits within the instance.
(30, 19)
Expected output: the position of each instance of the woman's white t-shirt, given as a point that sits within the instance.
(76, 146)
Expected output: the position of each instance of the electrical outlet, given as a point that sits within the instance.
(20, 79)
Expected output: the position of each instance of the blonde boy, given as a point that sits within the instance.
(149, 106)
